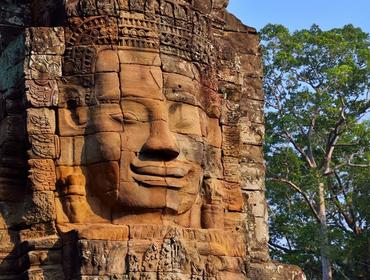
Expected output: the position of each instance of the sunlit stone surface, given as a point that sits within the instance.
(131, 142)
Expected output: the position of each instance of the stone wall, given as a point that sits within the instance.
(67, 209)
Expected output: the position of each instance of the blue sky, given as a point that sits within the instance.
(299, 14)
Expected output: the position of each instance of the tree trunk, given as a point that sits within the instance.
(325, 261)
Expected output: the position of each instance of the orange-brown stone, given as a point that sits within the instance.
(131, 143)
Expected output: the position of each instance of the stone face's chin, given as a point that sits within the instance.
(132, 195)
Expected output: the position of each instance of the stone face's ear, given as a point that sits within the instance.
(72, 116)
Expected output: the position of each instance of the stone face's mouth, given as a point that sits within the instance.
(159, 174)
(163, 171)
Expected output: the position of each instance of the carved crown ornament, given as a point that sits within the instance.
(173, 27)
(168, 7)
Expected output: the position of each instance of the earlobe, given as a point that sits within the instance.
(72, 194)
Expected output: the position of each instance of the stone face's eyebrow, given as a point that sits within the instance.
(181, 96)
(182, 89)
(179, 93)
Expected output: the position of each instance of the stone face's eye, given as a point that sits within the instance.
(126, 118)
(117, 117)
(134, 111)
(130, 117)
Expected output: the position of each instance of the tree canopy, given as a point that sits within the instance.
(317, 87)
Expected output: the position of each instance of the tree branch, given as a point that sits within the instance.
(301, 192)
(349, 163)
(287, 250)
(333, 139)
(287, 133)
(309, 137)
(337, 268)
(276, 246)
(299, 149)
(350, 217)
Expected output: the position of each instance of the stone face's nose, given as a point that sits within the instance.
(161, 144)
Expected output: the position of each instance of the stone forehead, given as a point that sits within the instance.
(88, 60)
(109, 60)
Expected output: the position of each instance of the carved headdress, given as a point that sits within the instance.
(181, 28)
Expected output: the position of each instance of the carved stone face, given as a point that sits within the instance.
(147, 142)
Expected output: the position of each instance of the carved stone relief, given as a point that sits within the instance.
(138, 127)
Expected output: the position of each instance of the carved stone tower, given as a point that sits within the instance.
(131, 142)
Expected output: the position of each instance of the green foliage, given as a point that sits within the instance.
(317, 103)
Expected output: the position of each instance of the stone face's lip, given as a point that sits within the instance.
(160, 174)
(161, 171)
(156, 181)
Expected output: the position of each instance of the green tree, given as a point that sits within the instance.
(317, 148)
